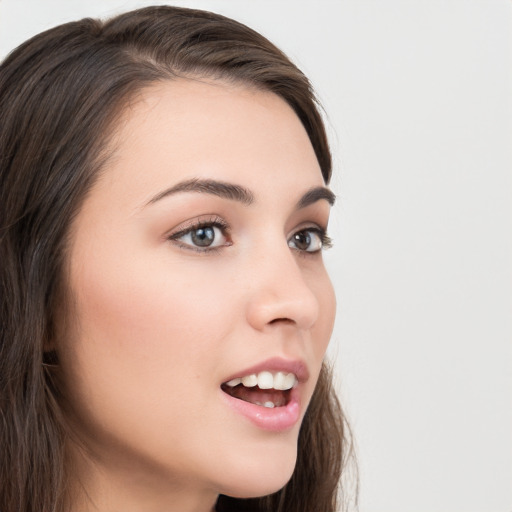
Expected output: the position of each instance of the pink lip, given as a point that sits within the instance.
(278, 418)
(276, 364)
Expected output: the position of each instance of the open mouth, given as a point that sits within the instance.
(266, 389)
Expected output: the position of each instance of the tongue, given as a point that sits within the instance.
(258, 396)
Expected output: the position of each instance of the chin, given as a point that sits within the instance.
(261, 475)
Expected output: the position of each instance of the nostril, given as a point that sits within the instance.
(296, 308)
(284, 320)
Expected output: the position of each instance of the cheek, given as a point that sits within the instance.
(141, 360)
(142, 331)
(323, 289)
(147, 307)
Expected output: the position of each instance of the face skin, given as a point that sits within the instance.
(156, 324)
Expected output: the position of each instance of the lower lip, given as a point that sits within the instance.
(276, 419)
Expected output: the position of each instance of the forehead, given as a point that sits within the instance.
(190, 128)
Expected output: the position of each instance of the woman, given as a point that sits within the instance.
(165, 309)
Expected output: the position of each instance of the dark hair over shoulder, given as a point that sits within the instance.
(60, 93)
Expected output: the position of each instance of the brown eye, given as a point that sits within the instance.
(308, 240)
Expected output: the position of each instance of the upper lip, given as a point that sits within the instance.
(276, 364)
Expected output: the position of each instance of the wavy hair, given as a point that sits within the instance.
(61, 93)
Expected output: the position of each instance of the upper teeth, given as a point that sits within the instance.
(266, 380)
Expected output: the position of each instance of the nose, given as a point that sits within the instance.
(279, 293)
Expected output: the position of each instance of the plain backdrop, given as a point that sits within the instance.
(418, 102)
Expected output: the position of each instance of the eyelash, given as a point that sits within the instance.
(325, 240)
(214, 222)
(217, 222)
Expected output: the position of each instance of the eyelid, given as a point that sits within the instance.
(197, 223)
(200, 220)
(317, 226)
(326, 241)
(215, 221)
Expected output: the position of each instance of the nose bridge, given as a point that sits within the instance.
(279, 292)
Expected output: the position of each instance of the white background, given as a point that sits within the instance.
(418, 95)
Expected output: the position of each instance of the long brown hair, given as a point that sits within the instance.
(60, 94)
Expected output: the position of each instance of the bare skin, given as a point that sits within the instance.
(157, 323)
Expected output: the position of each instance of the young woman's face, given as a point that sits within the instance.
(194, 261)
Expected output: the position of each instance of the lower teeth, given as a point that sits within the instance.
(269, 405)
(264, 398)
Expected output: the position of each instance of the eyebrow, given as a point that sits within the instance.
(316, 194)
(214, 187)
(237, 192)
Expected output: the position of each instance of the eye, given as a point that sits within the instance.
(310, 240)
(202, 236)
